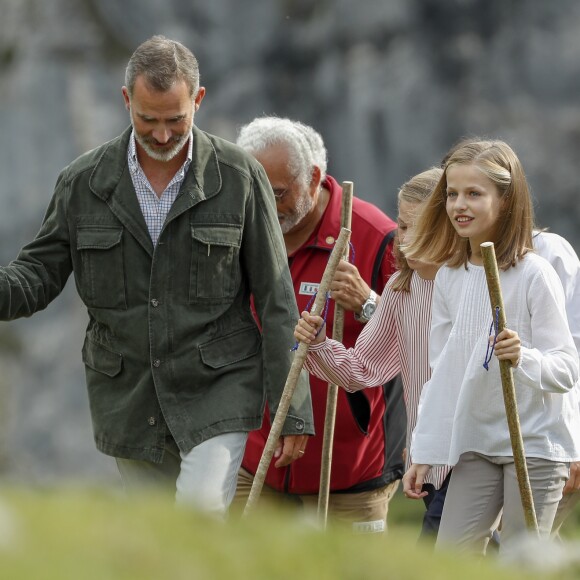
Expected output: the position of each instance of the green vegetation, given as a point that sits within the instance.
(94, 535)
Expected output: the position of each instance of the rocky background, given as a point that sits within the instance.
(390, 84)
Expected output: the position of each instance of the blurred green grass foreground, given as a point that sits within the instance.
(85, 535)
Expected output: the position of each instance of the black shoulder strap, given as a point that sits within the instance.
(379, 259)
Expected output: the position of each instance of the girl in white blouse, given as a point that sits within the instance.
(483, 196)
(394, 341)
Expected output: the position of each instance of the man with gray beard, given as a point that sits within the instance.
(370, 425)
(169, 231)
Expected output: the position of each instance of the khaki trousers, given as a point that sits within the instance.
(481, 487)
(365, 512)
(565, 508)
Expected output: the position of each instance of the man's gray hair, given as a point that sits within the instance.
(305, 145)
(162, 62)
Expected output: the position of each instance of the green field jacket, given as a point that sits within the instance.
(171, 347)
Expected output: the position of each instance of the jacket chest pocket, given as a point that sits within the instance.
(102, 278)
(215, 268)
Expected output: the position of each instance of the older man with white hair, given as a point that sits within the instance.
(370, 424)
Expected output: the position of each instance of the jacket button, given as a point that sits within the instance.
(155, 303)
(152, 421)
(300, 425)
(156, 362)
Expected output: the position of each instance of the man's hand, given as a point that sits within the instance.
(413, 480)
(573, 483)
(290, 448)
(348, 288)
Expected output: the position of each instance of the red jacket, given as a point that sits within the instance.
(361, 458)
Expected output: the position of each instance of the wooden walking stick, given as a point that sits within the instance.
(297, 364)
(509, 392)
(332, 394)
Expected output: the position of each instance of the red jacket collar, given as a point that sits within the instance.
(326, 234)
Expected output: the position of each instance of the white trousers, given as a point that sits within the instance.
(205, 478)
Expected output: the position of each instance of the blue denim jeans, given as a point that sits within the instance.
(434, 501)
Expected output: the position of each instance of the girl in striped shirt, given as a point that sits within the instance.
(394, 341)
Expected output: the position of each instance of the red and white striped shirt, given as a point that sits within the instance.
(396, 339)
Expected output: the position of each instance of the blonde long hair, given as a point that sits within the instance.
(435, 238)
(414, 191)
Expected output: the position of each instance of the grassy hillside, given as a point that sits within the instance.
(90, 535)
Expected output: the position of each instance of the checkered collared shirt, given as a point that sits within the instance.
(155, 209)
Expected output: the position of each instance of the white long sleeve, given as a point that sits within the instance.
(564, 260)
(462, 406)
